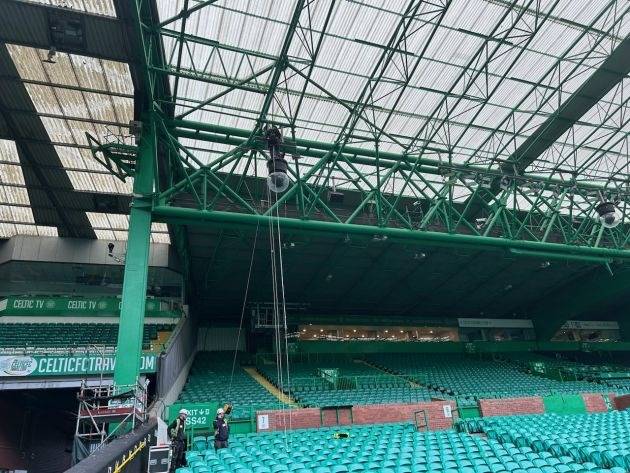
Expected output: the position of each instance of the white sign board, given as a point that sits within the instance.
(495, 323)
(591, 325)
(263, 422)
(448, 413)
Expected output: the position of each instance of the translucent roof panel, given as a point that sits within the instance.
(75, 95)
(16, 215)
(99, 7)
(116, 226)
(466, 81)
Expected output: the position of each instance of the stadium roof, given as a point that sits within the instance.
(393, 102)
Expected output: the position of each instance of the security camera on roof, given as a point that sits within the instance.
(609, 215)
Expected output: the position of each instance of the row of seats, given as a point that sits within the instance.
(211, 379)
(569, 367)
(387, 448)
(468, 379)
(354, 383)
(69, 335)
(592, 439)
(607, 373)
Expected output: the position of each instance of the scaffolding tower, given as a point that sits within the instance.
(106, 412)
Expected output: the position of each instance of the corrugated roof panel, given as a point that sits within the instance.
(99, 7)
(81, 181)
(161, 238)
(115, 227)
(104, 234)
(118, 77)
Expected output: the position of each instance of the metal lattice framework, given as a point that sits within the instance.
(473, 165)
(478, 124)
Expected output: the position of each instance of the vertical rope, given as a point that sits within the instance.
(279, 318)
(240, 325)
(284, 314)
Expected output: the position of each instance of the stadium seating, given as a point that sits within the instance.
(591, 439)
(389, 448)
(355, 384)
(210, 379)
(69, 335)
(468, 379)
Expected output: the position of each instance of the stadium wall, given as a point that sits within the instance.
(622, 402)
(341, 347)
(176, 360)
(372, 414)
(511, 406)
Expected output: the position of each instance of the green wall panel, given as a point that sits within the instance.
(567, 404)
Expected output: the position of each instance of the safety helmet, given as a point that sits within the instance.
(220, 411)
(183, 411)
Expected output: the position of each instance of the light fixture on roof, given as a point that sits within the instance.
(608, 213)
(505, 182)
(545, 264)
(419, 255)
(110, 252)
(278, 180)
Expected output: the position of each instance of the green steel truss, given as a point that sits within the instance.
(362, 174)
(426, 186)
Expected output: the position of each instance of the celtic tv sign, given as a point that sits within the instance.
(24, 365)
(79, 306)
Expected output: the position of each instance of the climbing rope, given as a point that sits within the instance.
(279, 310)
(240, 325)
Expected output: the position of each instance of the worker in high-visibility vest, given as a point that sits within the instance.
(177, 434)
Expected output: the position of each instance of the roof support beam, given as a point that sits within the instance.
(187, 216)
(317, 149)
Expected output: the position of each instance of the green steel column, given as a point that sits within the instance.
(129, 347)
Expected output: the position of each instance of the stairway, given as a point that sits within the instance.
(282, 397)
(378, 368)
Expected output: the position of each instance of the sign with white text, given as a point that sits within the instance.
(39, 365)
(495, 323)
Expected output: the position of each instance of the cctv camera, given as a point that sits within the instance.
(110, 247)
(608, 214)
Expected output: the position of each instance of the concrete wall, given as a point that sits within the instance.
(372, 414)
(77, 250)
(221, 339)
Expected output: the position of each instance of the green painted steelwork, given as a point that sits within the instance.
(415, 192)
(129, 344)
(239, 220)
